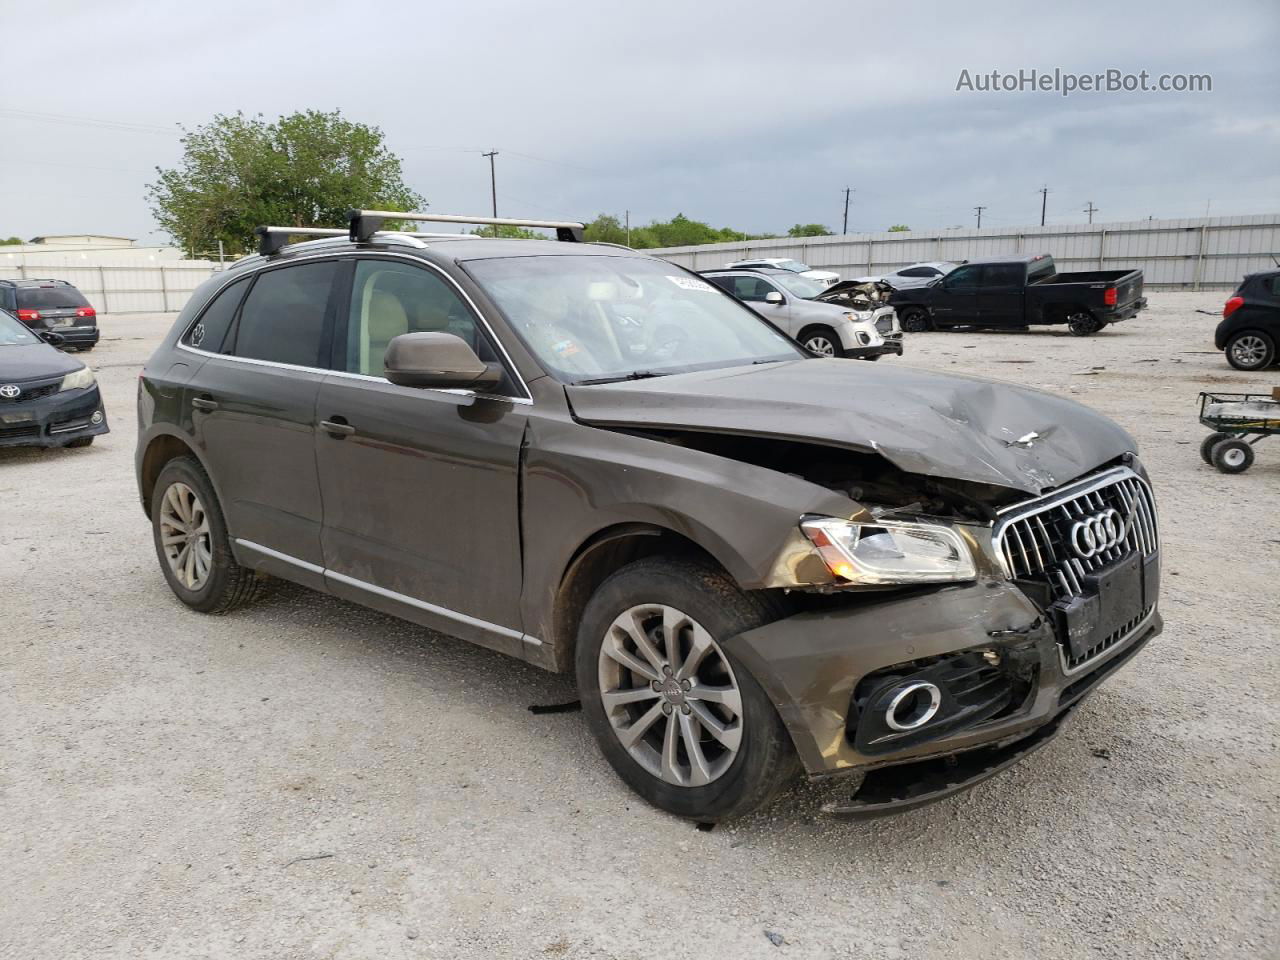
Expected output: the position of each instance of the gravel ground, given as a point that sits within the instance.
(307, 778)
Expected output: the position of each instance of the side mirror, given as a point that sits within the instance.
(773, 297)
(51, 338)
(438, 361)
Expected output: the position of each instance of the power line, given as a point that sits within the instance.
(125, 126)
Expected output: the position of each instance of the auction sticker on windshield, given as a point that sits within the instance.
(690, 283)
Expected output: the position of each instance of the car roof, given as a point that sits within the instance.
(34, 282)
(1027, 258)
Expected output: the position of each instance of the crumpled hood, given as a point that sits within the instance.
(925, 423)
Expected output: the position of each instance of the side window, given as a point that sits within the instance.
(1273, 285)
(390, 298)
(1002, 275)
(283, 316)
(211, 329)
(917, 272)
(751, 289)
(962, 278)
(724, 283)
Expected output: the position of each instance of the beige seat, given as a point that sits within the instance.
(385, 320)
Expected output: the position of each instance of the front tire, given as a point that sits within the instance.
(679, 719)
(1251, 350)
(823, 341)
(915, 320)
(191, 541)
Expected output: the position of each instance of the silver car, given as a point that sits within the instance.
(824, 277)
(915, 275)
(832, 330)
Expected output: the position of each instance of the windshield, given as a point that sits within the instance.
(801, 287)
(795, 266)
(12, 331)
(595, 318)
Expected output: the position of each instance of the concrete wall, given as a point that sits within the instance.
(1209, 252)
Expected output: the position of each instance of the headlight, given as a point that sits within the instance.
(890, 552)
(78, 380)
(859, 316)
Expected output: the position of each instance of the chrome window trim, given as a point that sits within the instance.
(527, 399)
(436, 609)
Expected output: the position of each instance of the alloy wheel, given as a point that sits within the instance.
(1248, 351)
(185, 536)
(821, 345)
(670, 695)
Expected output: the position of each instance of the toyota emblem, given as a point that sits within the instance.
(9, 391)
(1097, 533)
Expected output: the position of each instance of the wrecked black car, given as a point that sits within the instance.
(757, 562)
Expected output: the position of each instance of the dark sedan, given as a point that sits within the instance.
(47, 399)
(1250, 327)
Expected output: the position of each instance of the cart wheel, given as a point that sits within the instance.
(1232, 456)
(1207, 445)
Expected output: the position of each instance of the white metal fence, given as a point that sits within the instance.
(124, 289)
(1209, 252)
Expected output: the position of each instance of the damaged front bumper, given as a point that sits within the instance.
(1005, 687)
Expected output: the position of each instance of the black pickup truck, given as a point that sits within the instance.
(1021, 292)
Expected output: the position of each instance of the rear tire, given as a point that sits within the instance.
(1251, 350)
(191, 542)
(1232, 456)
(823, 341)
(1207, 445)
(636, 648)
(915, 320)
(1083, 324)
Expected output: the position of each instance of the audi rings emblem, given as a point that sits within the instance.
(1097, 533)
(9, 391)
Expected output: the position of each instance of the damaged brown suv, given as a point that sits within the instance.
(757, 562)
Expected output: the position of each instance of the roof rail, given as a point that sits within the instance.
(365, 223)
(271, 239)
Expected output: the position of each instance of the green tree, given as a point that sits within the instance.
(605, 229)
(305, 169)
(899, 228)
(809, 230)
(10, 242)
(506, 232)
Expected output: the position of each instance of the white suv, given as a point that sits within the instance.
(824, 277)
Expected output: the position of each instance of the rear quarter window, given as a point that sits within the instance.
(209, 332)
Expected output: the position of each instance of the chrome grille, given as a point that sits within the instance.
(1034, 538)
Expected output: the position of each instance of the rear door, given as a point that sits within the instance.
(1000, 295)
(954, 299)
(254, 411)
(421, 487)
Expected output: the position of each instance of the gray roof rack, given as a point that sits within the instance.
(271, 239)
(365, 223)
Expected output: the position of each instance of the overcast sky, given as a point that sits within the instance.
(744, 114)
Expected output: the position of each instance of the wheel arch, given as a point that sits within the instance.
(163, 447)
(605, 551)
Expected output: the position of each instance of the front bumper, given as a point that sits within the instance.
(53, 421)
(810, 665)
(890, 347)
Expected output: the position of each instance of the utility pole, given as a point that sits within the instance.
(845, 228)
(979, 211)
(1044, 201)
(493, 185)
(628, 216)
(1090, 209)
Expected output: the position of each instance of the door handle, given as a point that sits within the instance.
(337, 427)
(204, 403)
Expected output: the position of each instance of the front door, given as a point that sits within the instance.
(955, 297)
(753, 290)
(420, 487)
(253, 409)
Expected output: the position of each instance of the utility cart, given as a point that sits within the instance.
(1234, 418)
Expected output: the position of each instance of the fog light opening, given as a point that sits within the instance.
(97, 417)
(913, 706)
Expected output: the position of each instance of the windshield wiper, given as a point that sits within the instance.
(633, 375)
